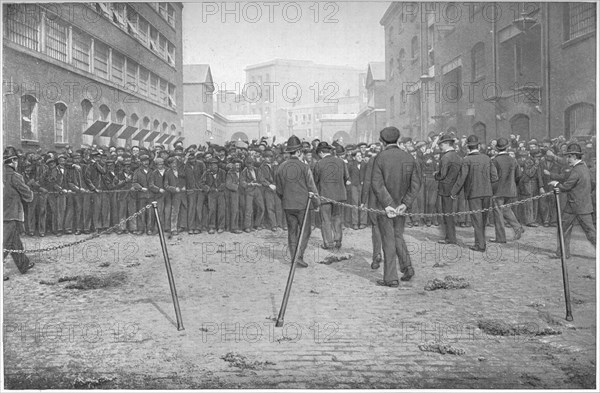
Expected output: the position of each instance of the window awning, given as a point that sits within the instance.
(162, 138)
(152, 136)
(127, 132)
(140, 135)
(112, 129)
(169, 140)
(95, 128)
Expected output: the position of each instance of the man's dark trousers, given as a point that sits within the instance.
(294, 220)
(394, 246)
(449, 226)
(479, 219)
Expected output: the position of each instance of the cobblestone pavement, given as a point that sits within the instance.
(340, 331)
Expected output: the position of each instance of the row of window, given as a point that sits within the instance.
(579, 121)
(39, 32)
(128, 19)
(167, 11)
(29, 119)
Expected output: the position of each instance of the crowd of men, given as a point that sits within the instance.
(236, 187)
(217, 188)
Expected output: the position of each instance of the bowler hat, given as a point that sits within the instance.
(389, 134)
(324, 146)
(10, 154)
(472, 141)
(362, 144)
(446, 138)
(293, 144)
(502, 144)
(574, 148)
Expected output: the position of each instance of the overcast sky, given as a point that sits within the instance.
(289, 30)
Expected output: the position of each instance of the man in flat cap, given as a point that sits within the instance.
(232, 184)
(395, 182)
(254, 199)
(140, 183)
(213, 182)
(15, 193)
(266, 177)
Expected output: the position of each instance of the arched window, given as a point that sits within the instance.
(145, 123)
(133, 120)
(104, 113)
(479, 129)
(401, 59)
(155, 125)
(120, 119)
(519, 125)
(478, 61)
(60, 122)
(391, 67)
(87, 111)
(414, 47)
(579, 120)
(29, 106)
(173, 129)
(165, 128)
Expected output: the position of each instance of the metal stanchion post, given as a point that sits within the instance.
(163, 244)
(561, 242)
(288, 286)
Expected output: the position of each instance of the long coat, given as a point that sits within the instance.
(293, 181)
(331, 175)
(509, 174)
(578, 187)
(449, 169)
(395, 179)
(15, 193)
(476, 175)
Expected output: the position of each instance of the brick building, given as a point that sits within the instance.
(82, 73)
(492, 69)
(202, 119)
(372, 117)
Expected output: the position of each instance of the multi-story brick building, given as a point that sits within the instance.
(492, 69)
(283, 84)
(81, 73)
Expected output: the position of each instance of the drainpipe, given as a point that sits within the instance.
(545, 22)
(495, 63)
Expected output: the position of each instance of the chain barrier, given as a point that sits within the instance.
(88, 238)
(377, 211)
(322, 198)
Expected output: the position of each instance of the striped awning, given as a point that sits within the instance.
(140, 135)
(95, 128)
(169, 140)
(152, 136)
(128, 132)
(112, 129)
(162, 138)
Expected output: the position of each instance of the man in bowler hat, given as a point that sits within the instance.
(579, 206)
(446, 175)
(15, 193)
(476, 176)
(294, 184)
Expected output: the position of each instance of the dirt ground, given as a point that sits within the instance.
(100, 315)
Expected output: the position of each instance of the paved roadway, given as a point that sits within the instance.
(341, 330)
